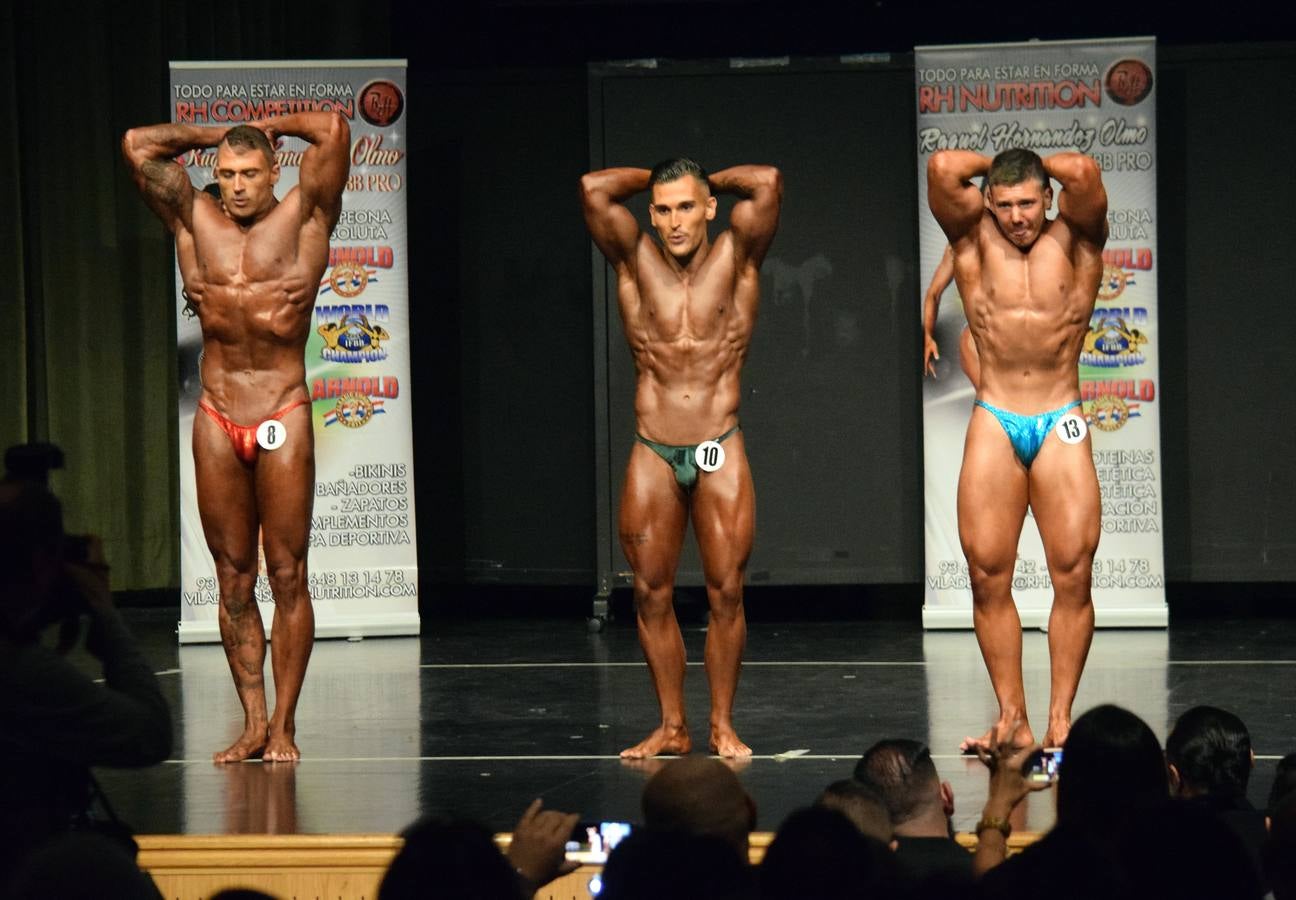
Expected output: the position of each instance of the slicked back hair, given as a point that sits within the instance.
(1016, 166)
(1211, 748)
(674, 169)
(901, 771)
(242, 138)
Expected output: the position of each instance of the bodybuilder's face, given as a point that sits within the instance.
(246, 181)
(1019, 209)
(680, 210)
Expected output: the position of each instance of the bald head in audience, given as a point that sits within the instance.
(700, 795)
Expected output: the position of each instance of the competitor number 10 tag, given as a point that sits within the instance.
(709, 456)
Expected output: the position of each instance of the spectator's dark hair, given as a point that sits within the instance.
(901, 771)
(650, 864)
(449, 858)
(79, 865)
(1014, 167)
(1280, 850)
(1112, 766)
(1211, 750)
(1284, 783)
(31, 531)
(32, 462)
(243, 138)
(1182, 850)
(818, 853)
(862, 805)
(674, 169)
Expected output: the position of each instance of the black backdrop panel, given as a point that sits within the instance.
(1240, 318)
(830, 389)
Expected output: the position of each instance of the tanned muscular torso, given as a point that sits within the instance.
(689, 336)
(1028, 311)
(254, 290)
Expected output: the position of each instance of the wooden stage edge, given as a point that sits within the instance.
(331, 866)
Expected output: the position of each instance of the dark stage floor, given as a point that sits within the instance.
(478, 717)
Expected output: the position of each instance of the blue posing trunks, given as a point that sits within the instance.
(681, 459)
(1027, 433)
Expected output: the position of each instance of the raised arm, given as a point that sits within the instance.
(941, 279)
(150, 151)
(603, 195)
(754, 218)
(326, 163)
(955, 201)
(1083, 201)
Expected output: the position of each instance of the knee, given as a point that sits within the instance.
(1072, 572)
(287, 580)
(237, 581)
(990, 577)
(724, 595)
(653, 599)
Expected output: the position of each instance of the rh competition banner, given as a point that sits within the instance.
(1098, 98)
(362, 561)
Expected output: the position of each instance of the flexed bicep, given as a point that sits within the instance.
(613, 228)
(163, 183)
(754, 218)
(955, 201)
(325, 165)
(754, 221)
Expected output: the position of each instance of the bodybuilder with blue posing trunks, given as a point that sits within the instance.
(1028, 285)
(688, 306)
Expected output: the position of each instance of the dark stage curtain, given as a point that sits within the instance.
(88, 360)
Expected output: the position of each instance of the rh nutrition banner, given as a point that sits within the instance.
(1098, 98)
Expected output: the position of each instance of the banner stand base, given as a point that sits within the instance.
(395, 625)
(1155, 616)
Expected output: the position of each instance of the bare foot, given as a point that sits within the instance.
(1057, 733)
(665, 739)
(250, 745)
(1022, 737)
(725, 742)
(281, 748)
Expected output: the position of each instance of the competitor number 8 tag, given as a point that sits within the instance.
(1071, 428)
(271, 434)
(709, 456)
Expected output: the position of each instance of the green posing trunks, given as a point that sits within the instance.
(681, 459)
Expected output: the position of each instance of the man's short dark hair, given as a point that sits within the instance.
(675, 169)
(901, 771)
(1211, 749)
(243, 138)
(865, 807)
(1015, 166)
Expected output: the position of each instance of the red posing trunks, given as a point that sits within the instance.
(243, 437)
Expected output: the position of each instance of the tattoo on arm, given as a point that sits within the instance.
(164, 182)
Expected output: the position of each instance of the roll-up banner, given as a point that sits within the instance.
(362, 562)
(1097, 98)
